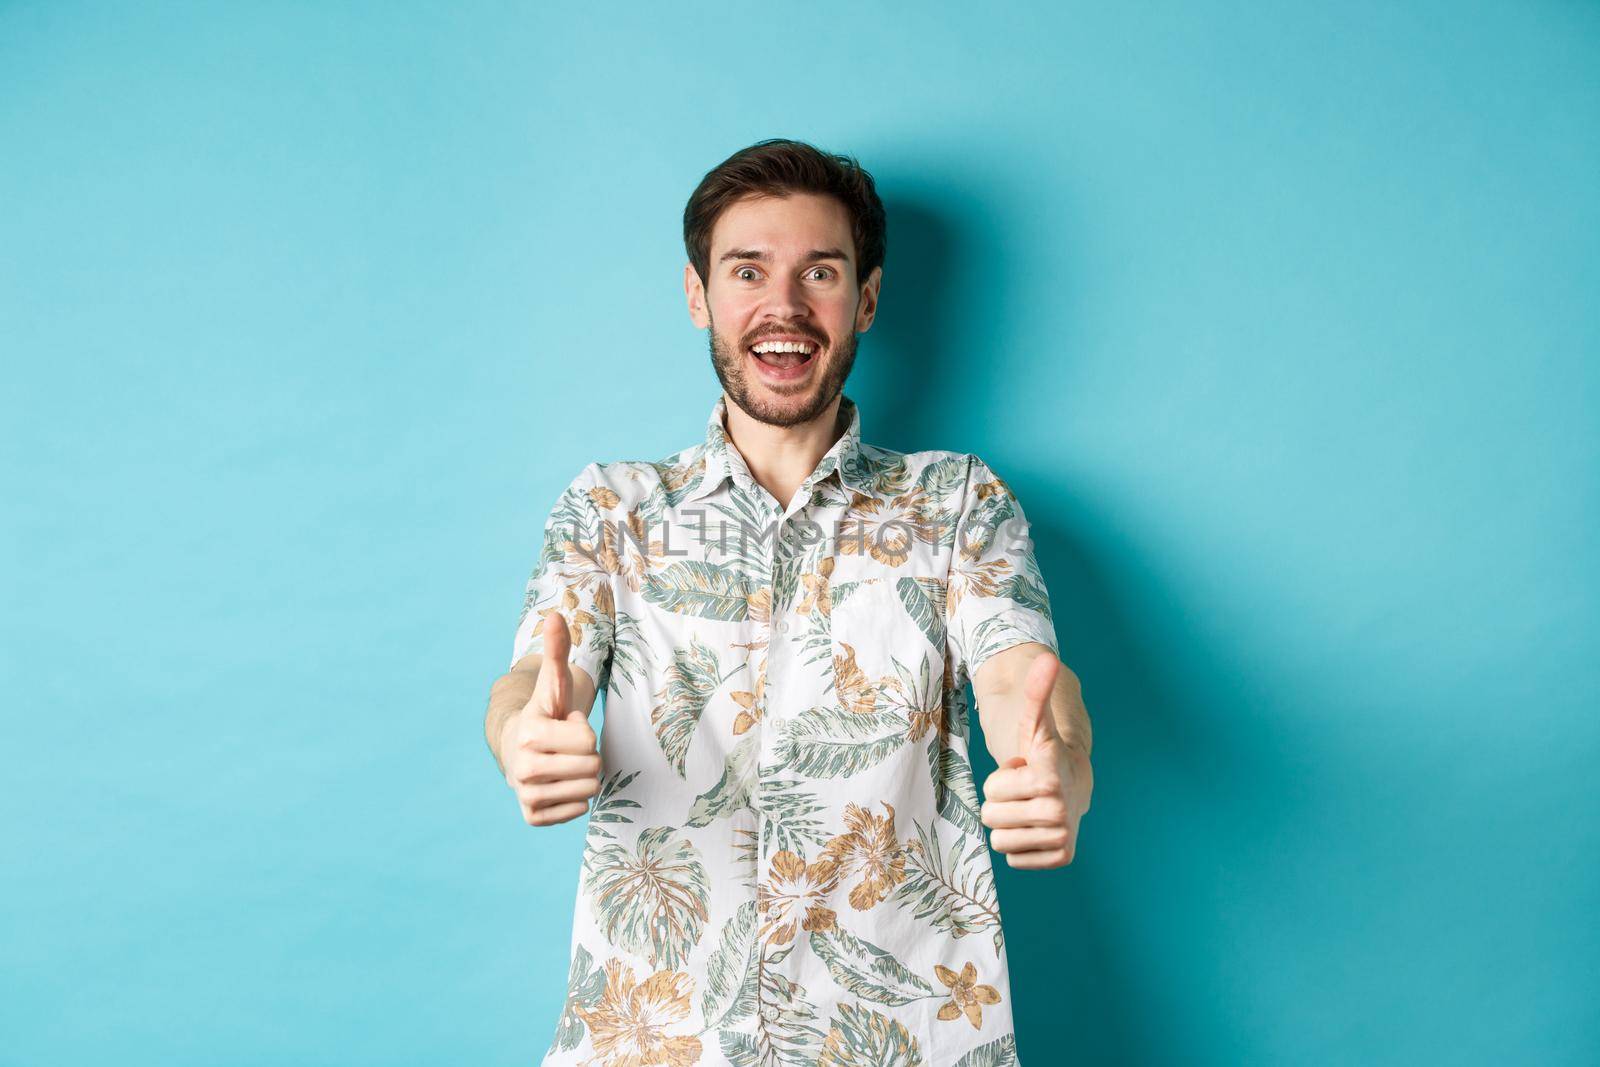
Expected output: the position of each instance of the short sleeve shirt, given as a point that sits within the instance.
(785, 863)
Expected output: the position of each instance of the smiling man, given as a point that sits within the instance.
(784, 860)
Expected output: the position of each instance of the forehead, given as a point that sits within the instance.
(793, 224)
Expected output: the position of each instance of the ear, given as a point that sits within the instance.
(867, 306)
(695, 291)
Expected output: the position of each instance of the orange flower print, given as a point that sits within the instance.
(634, 531)
(982, 579)
(596, 557)
(871, 850)
(628, 1024)
(885, 529)
(818, 590)
(965, 996)
(856, 693)
(795, 895)
(759, 604)
(750, 702)
(679, 476)
(994, 499)
(577, 619)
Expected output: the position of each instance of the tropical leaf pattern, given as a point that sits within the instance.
(785, 863)
(790, 813)
(585, 983)
(862, 1037)
(1001, 1052)
(653, 900)
(610, 806)
(953, 893)
(924, 600)
(955, 796)
(691, 678)
(731, 970)
(699, 588)
(833, 742)
(870, 972)
(732, 791)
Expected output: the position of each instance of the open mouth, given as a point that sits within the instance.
(784, 359)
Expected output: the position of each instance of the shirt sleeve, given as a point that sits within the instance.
(572, 575)
(996, 596)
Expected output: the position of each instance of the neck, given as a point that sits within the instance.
(780, 458)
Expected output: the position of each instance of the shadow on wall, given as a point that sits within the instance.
(1087, 974)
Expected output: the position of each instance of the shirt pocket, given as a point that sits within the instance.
(889, 646)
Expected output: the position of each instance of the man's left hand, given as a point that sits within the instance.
(1033, 802)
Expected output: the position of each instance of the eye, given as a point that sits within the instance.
(821, 274)
(746, 274)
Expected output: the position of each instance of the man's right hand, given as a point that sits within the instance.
(551, 756)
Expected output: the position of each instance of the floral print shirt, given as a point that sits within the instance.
(785, 863)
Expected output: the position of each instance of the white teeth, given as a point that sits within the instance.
(782, 346)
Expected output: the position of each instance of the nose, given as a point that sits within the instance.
(786, 299)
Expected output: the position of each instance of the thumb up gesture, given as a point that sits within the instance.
(1030, 803)
(552, 760)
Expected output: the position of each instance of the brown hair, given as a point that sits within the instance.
(778, 167)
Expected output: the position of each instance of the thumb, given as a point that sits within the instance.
(1036, 729)
(552, 694)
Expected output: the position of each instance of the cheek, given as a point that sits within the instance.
(840, 315)
(733, 316)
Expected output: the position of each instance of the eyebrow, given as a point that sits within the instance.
(761, 257)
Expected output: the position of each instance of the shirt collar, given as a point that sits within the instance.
(723, 460)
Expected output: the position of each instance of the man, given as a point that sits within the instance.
(785, 861)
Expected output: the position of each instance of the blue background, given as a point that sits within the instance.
(1281, 319)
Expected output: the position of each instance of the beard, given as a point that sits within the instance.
(728, 360)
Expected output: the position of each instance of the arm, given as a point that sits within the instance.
(1037, 729)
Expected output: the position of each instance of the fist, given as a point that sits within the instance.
(552, 759)
(1030, 804)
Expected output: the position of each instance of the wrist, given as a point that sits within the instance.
(1077, 771)
(505, 739)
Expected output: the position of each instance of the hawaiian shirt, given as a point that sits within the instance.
(785, 864)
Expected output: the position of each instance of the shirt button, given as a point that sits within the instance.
(780, 627)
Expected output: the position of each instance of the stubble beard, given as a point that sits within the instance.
(728, 361)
